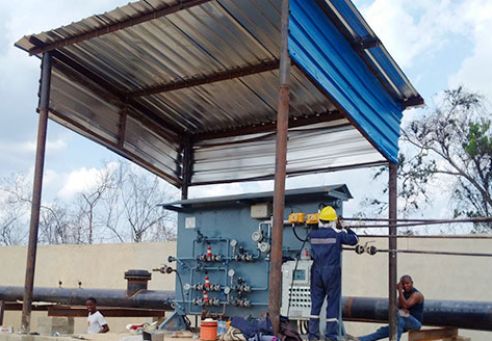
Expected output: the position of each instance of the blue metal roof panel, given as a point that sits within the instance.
(320, 49)
(377, 56)
(351, 17)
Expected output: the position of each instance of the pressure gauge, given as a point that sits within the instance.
(264, 247)
(233, 243)
(227, 290)
(231, 272)
(257, 236)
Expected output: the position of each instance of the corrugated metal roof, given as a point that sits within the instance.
(237, 102)
(192, 67)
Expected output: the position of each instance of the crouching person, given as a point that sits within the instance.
(411, 304)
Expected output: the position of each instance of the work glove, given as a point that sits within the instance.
(340, 223)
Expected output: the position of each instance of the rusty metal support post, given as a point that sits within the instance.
(392, 259)
(44, 98)
(187, 166)
(2, 311)
(280, 174)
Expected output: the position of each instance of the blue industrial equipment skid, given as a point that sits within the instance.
(223, 258)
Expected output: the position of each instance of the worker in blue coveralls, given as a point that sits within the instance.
(326, 271)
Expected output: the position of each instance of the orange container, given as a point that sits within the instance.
(208, 330)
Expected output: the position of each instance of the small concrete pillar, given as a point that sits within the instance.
(51, 325)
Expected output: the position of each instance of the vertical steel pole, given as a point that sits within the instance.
(2, 311)
(392, 260)
(44, 98)
(275, 294)
(187, 166)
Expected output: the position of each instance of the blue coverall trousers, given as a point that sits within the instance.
(325, 283)
(404, 324)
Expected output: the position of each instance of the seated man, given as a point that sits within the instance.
(411, 303)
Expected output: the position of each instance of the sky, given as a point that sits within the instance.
(438, 43)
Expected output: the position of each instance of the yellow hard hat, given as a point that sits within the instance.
(328, 213)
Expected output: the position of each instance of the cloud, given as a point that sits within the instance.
(18, 157)
(475, 72)
(20, 73)
(412, 28)
(25, 149)
(84, 179)
(51, 146)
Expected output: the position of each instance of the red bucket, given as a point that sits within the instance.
(208, 330)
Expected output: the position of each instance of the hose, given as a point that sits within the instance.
(182, 290)
(297, 236)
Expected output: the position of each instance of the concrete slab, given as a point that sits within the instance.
(173, 336)
(101, 337)
(14, 337)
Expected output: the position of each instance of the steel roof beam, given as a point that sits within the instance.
(413, 101)
(183, 4)
(294, 122)
(366, 43)
(206, 79)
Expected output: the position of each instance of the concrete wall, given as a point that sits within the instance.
(437, 277)
(96, 266)
(102, 266)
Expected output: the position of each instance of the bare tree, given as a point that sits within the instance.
(133, 211)
(121, 205)
(55, 225)
(10, 231)
(454, 142)
(87, 203)
(14, 210)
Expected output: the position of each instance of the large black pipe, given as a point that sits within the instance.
(459, 314)
(105, 297)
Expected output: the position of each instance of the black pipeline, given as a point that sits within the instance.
(105, 297)
(459, 314)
